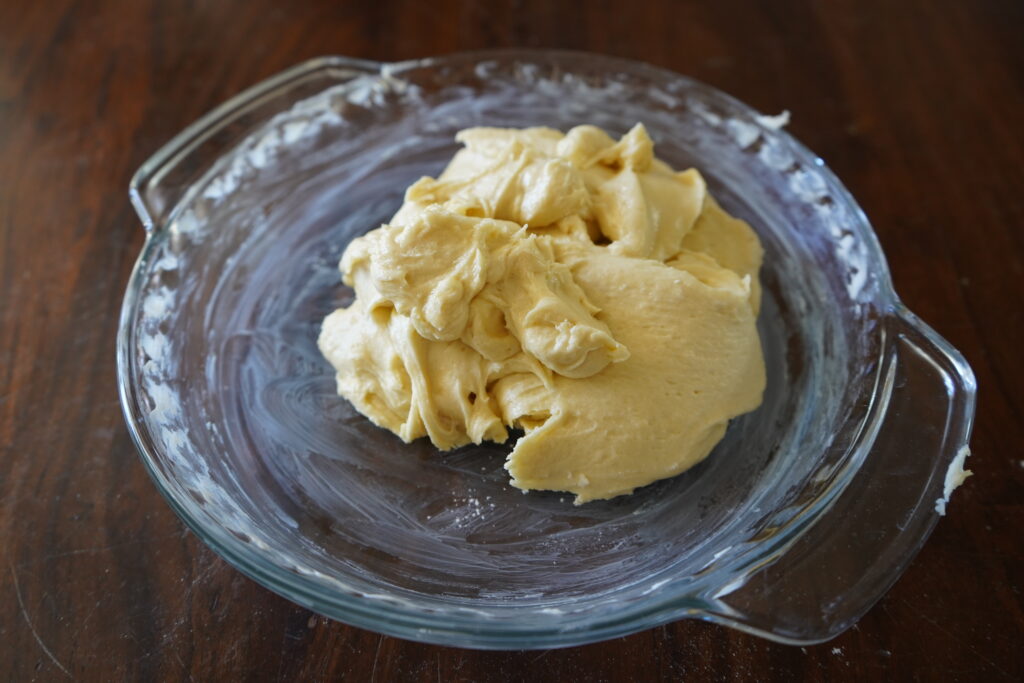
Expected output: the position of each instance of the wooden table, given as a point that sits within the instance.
(918, 105)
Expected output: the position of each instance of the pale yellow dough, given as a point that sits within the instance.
(568, 285)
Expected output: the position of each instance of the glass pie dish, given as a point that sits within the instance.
(802, 517)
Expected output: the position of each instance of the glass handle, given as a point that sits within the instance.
(836, 571)
(162, 181)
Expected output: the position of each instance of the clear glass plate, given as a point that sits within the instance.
(802, 517)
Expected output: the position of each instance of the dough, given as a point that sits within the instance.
(568, 285)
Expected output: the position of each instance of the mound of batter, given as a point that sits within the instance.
(568, 285)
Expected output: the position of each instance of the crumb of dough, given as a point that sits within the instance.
(955, 476)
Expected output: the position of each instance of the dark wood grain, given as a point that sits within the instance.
(918, 105)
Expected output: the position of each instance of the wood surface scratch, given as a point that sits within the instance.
(28, 620)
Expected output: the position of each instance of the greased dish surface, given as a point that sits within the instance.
(235, 414)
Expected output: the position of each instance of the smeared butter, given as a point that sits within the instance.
(571, 286)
